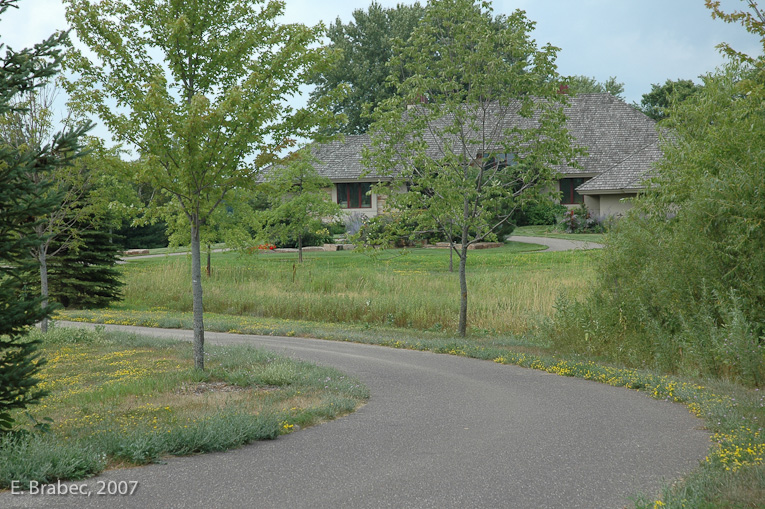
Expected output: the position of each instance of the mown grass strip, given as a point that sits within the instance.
(117, 398)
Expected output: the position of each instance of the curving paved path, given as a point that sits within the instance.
(439, 431)
(556, 244)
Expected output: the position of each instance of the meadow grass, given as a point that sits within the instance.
(117, 399)
(508, 288)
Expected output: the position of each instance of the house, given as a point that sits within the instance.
(621, 143)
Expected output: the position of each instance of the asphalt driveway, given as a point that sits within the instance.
(439, 431)
(556, 244)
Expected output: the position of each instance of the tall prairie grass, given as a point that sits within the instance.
(508, 290)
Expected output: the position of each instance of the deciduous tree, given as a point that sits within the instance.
(659, 101)
(587, 85)
(681, 284)
(361, 49)
(29, 127)
(476, 125)
(300, 202)
(199, 87)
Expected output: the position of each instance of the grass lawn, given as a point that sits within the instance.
(118, 399)
(182, 249)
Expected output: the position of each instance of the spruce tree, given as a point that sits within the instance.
(84, 275)
(21, 201)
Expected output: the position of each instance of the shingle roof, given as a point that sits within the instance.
(627, 175)
(609, 129)
(621, 143)
(341, 159)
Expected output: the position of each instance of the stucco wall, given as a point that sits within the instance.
(593, 204)
(615, 204)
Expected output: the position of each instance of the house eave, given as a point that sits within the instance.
(625, 190)
(345, 180)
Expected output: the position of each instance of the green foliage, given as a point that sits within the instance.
(22, 205)
(542, 212)
(580, 220)
(85, 275)
(660, 100)
(383, 231)
(682, 285)
(455, 134)
(141, 236)
(201, 90)
(361, 49)
(28, 127)
(587, 85)
(300, 205)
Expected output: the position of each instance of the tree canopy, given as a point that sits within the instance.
(681, 284)
(586, 85)
(361, 49)
(299, 201)
(659, 101)
(29, 127)
(23, 204)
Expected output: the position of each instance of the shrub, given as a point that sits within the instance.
(580, 220)
(545, 212)
(336, 228)
(353, 222)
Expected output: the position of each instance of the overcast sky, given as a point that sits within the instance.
(639, 41)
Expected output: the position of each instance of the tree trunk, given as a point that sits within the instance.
(300, 248)
(462, 328)
(196, 288)
(42, 258)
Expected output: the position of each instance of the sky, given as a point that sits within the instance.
(640, 42)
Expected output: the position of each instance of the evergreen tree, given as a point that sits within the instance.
(21, 201)
(84, 275)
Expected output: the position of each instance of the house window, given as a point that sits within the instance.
(498, 159)
(567, 190)
(354, 195)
